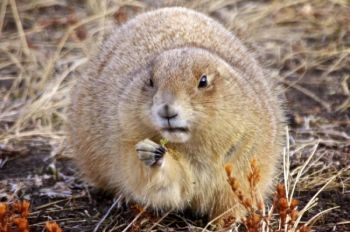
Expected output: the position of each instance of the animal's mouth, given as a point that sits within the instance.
(176, 134)
(175, 129)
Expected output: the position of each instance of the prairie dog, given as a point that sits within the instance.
(177, 74)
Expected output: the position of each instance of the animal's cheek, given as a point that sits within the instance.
(209, 93)
(209, 108)
(196, 114)
(143, 108)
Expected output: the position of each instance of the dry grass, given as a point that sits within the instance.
(304, 43)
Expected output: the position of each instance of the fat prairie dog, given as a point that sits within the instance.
(175, 74)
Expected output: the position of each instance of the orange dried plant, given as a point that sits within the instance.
(52, 227)
(22, 208)
(14, 215)
(3, 218)
(21, 223)
(252, 203)
(304, 229)
(287, 212)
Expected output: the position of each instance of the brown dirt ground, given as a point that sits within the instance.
(28, 169)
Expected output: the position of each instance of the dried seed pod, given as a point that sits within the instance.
(52, 227)
(247, 203)
(294, 203)
(304, 229)
(283, 204)
(22, 224)
(281, 191)
(283, 216)
(294, 215)
(260, 204)
(256, 218)
(3, 210)
(25, 208)
(228, 169)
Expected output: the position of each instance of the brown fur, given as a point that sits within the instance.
(237, 117)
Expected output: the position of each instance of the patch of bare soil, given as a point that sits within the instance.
(55, 193)
(305, 44)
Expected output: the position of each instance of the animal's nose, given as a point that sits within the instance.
(167, 112)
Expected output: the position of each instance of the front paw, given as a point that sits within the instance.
(150, 152)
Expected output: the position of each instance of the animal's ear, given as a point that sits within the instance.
(223, 72)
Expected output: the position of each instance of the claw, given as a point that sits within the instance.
(150, 153)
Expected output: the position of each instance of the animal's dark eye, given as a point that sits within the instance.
(203, 82)
(150, 83)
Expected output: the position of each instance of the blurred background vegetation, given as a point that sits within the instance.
(44, 44)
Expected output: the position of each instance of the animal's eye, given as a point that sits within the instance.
(203, 82)
(150, 83)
